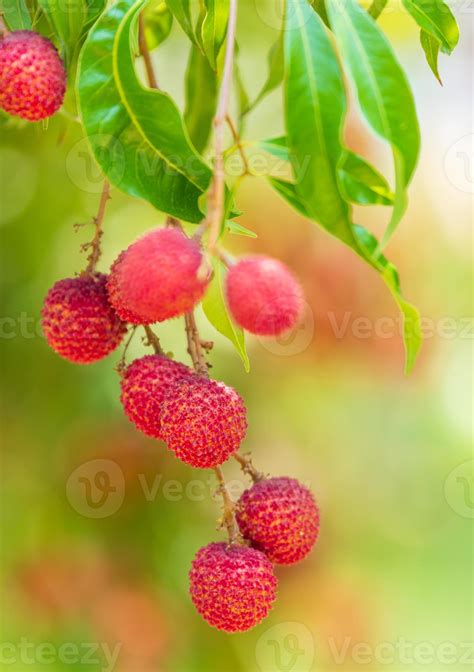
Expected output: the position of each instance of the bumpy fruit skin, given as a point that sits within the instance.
(232, 587)
(144, 385)
(32, 76)
(263, 296)
(203, 422)
(156, 278)
(78, 321)
(280, 518)
(115, 296)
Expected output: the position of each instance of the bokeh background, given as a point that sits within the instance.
(389, 586)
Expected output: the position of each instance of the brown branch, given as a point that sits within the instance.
(195, 345)
(3, 26)
(121, 365)
(238, 144)
(217, 190)
(245, 462)
(228, 517)
(94, 256)
(143, 47)
(153, 340)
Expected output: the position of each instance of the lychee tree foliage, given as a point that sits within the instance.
(99, 53)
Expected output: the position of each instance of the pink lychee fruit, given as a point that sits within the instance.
(144, 385)
(279, 516)
(263, 296)
(232, 587)
(78, 321)
(158, 277)
(203, 421)
(32, 76)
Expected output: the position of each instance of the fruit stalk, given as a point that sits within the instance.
(153, 340)
(247, 467)
(229, 515)
(217, 190)
(98, 221)
(142, 46)
(195, 348)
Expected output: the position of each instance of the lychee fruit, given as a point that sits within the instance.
(203, 422)
(157, 277)
(32, 76)
(232, 587)
(263, 295)
(78, 321)
(144, 384)
(115, 297)
(280, 518)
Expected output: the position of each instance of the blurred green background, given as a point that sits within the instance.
(389, 585)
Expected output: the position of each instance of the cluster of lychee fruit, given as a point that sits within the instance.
(161, 276)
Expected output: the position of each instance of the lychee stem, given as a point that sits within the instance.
(3, 27)
(246, 464)
(143, 47)
(121, 364)
(229, 515)
(98, 220)
(153, 340)
(195, 345)
(217, 190)
(238, 144)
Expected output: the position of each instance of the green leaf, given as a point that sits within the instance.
(431, 47)
(376, 8)
(275, 74)
(276, 147)
(435, 18)
(181, 10)
(366, 246)
(67, 25)
(239, 230)
(383, 92)
(94, 9)
(361, 183)
(214, 28)
(412, 334)
(215, 309)
(201, 98)
(158, 24)
(137, 134)
(315, 103)
(16, 15)
(319, 7)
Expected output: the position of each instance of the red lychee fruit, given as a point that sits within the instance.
(280, 518)
(115, 297)
(32, 76)
(145, 384)
(203, 422)
(263, 295)
(232, 587)
(78, 321)
(156, 278)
